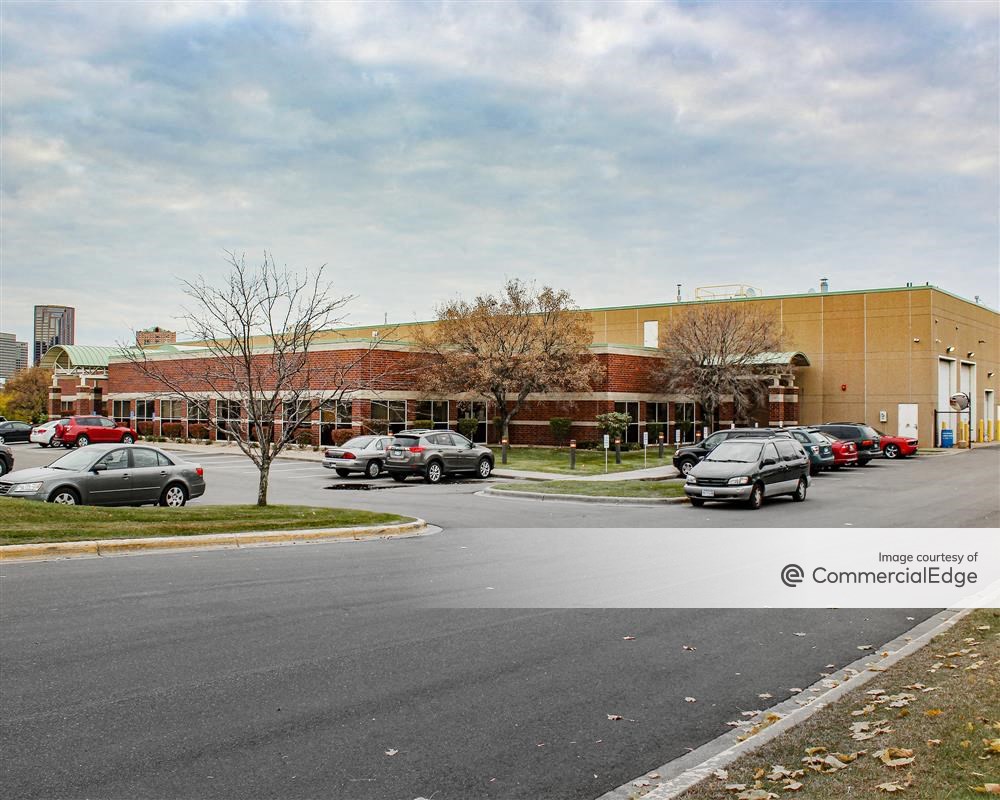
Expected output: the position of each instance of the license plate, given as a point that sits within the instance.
(397, 452)
(708, 492)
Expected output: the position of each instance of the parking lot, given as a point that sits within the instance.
(957, 489)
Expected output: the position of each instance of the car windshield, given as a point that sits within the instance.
(828, 437)
(359, 441)
(736, 452)
(76, 460)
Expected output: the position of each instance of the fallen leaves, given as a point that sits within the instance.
(895, 756)
(690, 700)
(628, 638)
(689, 648)
(615, 717)
(987, 788)
(891, 787)
(862, 731)
(391, 751)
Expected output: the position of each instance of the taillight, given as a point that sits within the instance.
(417, 449)
(348, 455)
(866, 443)
(200, 471)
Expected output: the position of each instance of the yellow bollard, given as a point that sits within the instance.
(979, 435)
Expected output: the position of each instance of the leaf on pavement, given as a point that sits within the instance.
(690, 700)
(615, 717)
(765, 696)
(391, 752)
(689, 648)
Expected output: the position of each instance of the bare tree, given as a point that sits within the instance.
(713, 353)
(507, 346)
(258, 329)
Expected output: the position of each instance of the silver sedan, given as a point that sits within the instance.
(109, 475)
(364, 454)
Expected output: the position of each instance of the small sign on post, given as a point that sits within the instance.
(607, 444)
(645, 447)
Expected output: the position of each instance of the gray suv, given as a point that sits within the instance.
(434, 454)
(750, 469)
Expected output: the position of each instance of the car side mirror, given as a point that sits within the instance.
(99, 468)
(768, 462)
(470, 446)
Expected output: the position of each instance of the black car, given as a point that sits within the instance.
(6, 459)
(690, 454)
(748, 470)
(868, 442)
(14, 431)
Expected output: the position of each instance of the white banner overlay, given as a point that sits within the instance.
(723, 568)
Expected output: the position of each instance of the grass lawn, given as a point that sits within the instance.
(941, 708)
(599, 488)
(588, 462)
(27, 522)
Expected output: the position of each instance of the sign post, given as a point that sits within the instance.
(645, 448)
(607, 444)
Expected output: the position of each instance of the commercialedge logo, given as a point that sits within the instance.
(792, 575)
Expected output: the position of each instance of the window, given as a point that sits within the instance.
(391, 413)
(434, 410)
(769, 452)
(198, 412)
(296, 412)
(788, 450)
(650, 333)
(333, 414)
(116, 459)
(441, 439)
(658, 412)
(171, 409)
(715, 440)
(66, 407)
(144, 409)
(475, 409)
(163, 461)
(107, 423)
(228, 414)
(143, 458)
(121, 410)
(632, 409)
(685, 420)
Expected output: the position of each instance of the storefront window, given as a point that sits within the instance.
(436, 411)
(389, 415)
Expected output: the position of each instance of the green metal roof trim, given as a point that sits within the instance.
(795, 358)
(70, 356)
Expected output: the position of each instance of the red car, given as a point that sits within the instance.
(81, 431)
(845, 454)
(898, 446)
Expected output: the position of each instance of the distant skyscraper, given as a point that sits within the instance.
(53, 325)
(13, 355)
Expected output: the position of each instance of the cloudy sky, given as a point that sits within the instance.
(427, 149)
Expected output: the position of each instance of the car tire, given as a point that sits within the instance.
(398, 477)
(686, 466)
(3, 467)
(82, 440)
(343, 473)
(2, 440)
(800, 491)
(814, 471)
(863, 462)
(434, 472)
(891, 451)
(484, 469)
(65, 497)
(174, 496)
(374, 468)
(128, 438)
(697, 502)
(43, 444)
(756, 499)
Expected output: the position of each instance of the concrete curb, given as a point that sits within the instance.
(112, 547)
(682, 773)
(578, 498)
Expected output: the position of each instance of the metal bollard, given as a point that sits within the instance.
(572, 453)
(618, 450)
(660, 443)
(503, 451)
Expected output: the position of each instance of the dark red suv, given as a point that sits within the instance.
(82, 431)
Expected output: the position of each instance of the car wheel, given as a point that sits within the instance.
(697, 502)
(863, 462)
(485, 468)
(836, 467)
(65, 497)
(128, 438)
(891, 451)
(3, 467)
(374, 469)
(43, 444)
(686, 466)
(343, 473)
(434, 473)
(173, 496)
(82, 441)
(756, 497)
(814, 471)
(800, 491)
(397, 477)
(2, 440)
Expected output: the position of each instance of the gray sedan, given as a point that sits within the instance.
(109, 475)
(364, 454)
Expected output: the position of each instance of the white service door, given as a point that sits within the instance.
(906, 414)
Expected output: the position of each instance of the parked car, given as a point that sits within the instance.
(110, 475)
(748, 470)
(845, 454)
(6, 459)
(14, 431)
(864, 437)
(434, 454)
(81, 431)
(897, 446)
(817, 447)
(688, 455)
(43, 434)
(362, 454)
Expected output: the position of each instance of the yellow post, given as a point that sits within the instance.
(979, 437)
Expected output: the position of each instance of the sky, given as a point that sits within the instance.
(427, 150)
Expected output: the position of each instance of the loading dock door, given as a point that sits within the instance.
(907, 419)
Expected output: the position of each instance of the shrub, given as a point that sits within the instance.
(144, 428)
(303, 437)
(587, 445)
(468, 427)
(614, 424)
(423, 423)
(654, 429)
(172, 430)
(560, 429)
(341, 435)
(198, 431)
